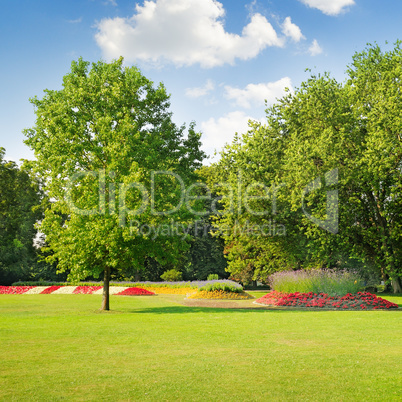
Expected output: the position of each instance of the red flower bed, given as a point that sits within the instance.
(359, 301)
(135, 292)
(49, 290)
(86, 290)
(14, 290)
(271, 298)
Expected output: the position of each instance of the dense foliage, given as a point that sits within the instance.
(319, 185)
(114, 165)
(20, 209)
(172, 275)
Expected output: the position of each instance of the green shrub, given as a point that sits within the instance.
(172, 276)
(39, 283)
(334, 283)
(212, 277)
(222, 286)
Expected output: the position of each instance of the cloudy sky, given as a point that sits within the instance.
(220, 60)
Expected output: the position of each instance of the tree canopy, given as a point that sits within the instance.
(114, 165)
(328, 164)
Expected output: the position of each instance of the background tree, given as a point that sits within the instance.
(248, 179)
(375, 84)
(97, 142)
(351, 130)
(354, 128)
(206, 253)
(20, 199)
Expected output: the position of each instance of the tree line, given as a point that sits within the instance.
(331, 154)
(317, 185)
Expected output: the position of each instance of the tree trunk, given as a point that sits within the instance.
(385, 278)
(105, 298)
(137, 276)
(396, 285)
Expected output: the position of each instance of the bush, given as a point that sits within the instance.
(172, 276)
(225, 287)
(213, 277)
(333, 283)
(40, 283)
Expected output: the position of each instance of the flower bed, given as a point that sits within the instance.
(178, 288)
(87, 290)
(270, 298)
(135, 292)
(49, 290)
(359, 301)
(14, 290)
(57, 289)
(113, 290)
(35, 290)
(220, 294)
(64, 290)
(165, 290)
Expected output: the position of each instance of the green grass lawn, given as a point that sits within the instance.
(60, 347)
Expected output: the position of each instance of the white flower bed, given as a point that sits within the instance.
(36, 290)
(64, 290)
(112, 290)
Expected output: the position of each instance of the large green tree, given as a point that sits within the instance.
(375, 86)
(333, 152)
(115, 167)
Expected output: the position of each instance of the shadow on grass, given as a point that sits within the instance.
(222, 310)
(191, 310)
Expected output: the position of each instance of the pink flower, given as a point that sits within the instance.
(86, 289)
(14, 290)
(135, 292)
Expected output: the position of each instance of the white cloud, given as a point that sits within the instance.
(315, 48)
(292, 30)
(218, 132)
(183, 32)
(329, 7)
(197, 92)
(256, 94)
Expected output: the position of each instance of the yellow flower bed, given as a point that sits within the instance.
(220, 294)
(169, 291)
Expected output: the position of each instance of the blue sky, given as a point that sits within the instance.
(219, 60)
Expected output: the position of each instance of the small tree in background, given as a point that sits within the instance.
(20, 201)
(172, 276)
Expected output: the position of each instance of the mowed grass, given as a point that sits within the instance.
(60, 347)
